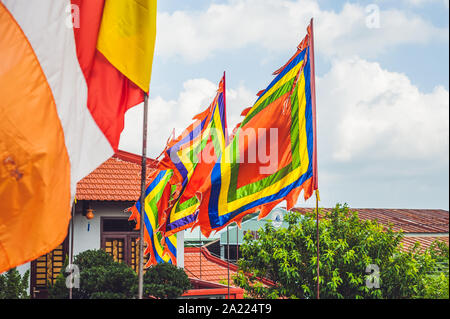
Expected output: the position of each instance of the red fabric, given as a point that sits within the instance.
(110, 93)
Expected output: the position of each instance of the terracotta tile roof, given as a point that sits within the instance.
(425, 242)
(117, 179)
(212, 268)
(408, 220)
(413, 222)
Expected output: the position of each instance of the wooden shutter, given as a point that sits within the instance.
(134, 262)
(116, 248)
(119, 239)
(45, 269)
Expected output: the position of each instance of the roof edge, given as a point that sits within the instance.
(207, 254)
(134, 158)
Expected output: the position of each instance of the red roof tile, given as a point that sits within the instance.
(212, 268)
(408, 220)
(425, 242)
(117, 179)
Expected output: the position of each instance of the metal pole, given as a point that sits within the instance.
(237, 243)
(200, 242)
(228, 260)
(314, 162)
(71, 244)
(141, 221)
(318, 254)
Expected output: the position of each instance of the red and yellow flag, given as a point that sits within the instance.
(63, 99)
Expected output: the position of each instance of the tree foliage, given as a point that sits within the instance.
(165, 281)
(103, 278)
(100, 278)
(356, 257)
(13, 285)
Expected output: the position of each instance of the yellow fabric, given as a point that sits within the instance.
(127, 38)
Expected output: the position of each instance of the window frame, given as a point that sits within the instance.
(128, 236)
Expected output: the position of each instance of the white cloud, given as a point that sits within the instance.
(167, 115)
(369, 114)
(382, 142)
(365, 114)
(419, 3)
(280, 25)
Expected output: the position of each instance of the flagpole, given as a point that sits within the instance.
(200, 242)
(71, 244)
(314, 162)
(228, 261)
(141, 220)
(318, 253)
(237, 243)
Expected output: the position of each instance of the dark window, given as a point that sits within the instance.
(119, 239)
(118, 225)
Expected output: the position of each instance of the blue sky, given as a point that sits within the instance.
(382, 90)
(400, 59)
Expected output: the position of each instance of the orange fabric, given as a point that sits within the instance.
(253, 164)
(245, 111)
(34, 164)
(266, 209)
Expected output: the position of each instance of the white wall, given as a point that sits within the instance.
(85, 239)
(87, 232)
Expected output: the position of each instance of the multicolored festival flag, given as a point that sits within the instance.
(65, 86)
(192, 156)
(272, 156)
(157, 196)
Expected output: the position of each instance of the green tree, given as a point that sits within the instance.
(356, 257)
(105, 282)
(100, 278)
(13, 285)
(59, 290)
(436, 282)
(165, 281)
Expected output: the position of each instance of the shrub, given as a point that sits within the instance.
(13, 285)
(165, 281)
(100, 278)
(113, 281)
